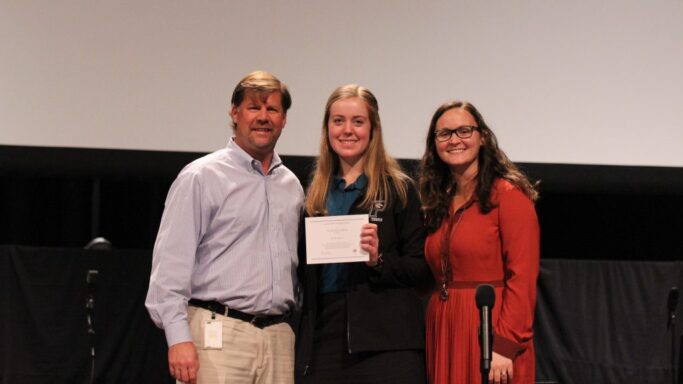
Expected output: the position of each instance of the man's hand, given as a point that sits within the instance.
(183, 362)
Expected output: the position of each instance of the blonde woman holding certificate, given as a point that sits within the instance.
(363, 322)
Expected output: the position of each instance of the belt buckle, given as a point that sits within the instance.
(254, 321)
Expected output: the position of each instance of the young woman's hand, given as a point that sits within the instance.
(369, 242)
(501, 369)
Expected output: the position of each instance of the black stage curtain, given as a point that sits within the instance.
(605, 321)
(64, 197)
(44, 335)
(60, 211)
(596, 321)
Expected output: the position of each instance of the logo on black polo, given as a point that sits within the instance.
(377, 206)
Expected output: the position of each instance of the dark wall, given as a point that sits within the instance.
(67, 196)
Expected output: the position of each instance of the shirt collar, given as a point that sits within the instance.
(246, 161)
(339, 183)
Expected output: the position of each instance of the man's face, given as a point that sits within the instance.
(259, 120)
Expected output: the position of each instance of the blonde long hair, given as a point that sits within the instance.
(382, 171)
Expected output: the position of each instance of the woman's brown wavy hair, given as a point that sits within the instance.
(437, 185)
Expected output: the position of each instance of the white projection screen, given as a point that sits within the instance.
(576, 82)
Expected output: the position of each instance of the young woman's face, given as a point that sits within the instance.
(458, 153)
(349, 129)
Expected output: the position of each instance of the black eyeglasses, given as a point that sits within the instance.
(463, 132)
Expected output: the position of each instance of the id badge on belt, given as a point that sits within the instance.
(213, 333)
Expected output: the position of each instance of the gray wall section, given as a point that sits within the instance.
(559, 82)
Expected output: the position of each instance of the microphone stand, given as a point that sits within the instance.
(672, 323)
(91, 279)
(680, 363)
(671, 305)
(96, 244)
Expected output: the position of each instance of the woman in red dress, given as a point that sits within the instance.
(482, 225)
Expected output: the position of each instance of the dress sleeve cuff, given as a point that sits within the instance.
(505, 347)
(177, 333)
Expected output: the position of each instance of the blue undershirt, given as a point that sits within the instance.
(340, 198)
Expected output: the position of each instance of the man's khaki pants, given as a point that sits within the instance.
(249, 354)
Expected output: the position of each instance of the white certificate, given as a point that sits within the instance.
(335, 239)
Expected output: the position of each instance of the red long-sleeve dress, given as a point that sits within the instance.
(500, 248)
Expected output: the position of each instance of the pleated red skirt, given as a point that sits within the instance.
(453, 355)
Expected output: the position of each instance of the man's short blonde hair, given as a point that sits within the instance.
(261, 82)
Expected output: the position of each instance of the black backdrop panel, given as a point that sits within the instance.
(63, 197)
(605, 321)
(596, 321)
(44, 335)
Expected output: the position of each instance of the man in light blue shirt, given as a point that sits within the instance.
(224, 267)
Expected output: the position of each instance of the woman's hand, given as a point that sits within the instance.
(369, 242)
(501, 369)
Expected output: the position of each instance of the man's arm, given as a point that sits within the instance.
(172, 266)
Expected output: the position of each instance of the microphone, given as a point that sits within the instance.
(98, 244)
(486, 298)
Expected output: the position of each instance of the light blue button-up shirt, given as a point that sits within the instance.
(229, 234)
